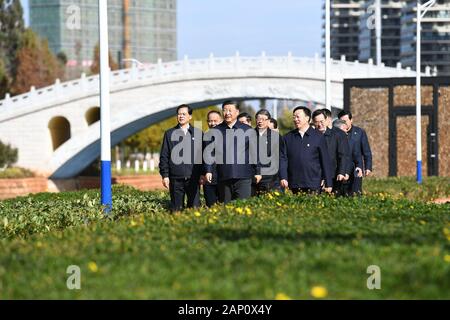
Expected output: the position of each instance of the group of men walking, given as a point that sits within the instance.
(233, 161)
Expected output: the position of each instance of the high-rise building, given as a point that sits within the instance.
(345, 16)
(391, 13)
(435, 50)
(71, 27)
(353, 33)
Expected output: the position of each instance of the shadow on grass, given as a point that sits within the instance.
(229, 234)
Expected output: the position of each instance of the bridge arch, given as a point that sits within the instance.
(92, 115)
(59, 131)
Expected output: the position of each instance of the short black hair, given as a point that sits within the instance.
(318, 113)
(327, 113)
(185, 106)
(245, 114)
(306, 111)
(211, 112)
(344, 113)
(275, 123)
(264, 112)
(232, 102)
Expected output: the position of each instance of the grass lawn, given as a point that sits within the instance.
(276, 246)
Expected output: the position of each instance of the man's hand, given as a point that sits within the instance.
(258, 178)
(359, 172)
(322, 184)
(368, 172)
(166, 182)
(328, 190)
(284, 184)
(208, 177)
(340, 177)
(346, 177)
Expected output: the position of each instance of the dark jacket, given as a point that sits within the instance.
(358, 140)
(212, 167)
(191, 166)
(270, 162)
(338, 150)
(227, 170)
(305, 161)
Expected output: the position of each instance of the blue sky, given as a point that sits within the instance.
(248, 26)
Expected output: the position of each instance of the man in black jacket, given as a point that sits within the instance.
(210, 189)
(181, 161)
(268, 142)
(357, 138)
(304, 160)
(235, 156)
(338, 148)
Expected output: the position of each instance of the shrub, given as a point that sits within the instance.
(8, 155)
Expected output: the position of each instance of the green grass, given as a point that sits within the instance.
(252, 249)
(432, 187)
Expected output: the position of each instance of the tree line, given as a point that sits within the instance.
(25, 58)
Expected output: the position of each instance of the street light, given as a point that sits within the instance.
(328, 54)
(378, 29)
(421, 11)
(105, 130)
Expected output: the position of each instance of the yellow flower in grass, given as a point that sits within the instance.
(133, 223)
(269, 195)
(277, 193)
(282, 296)
(93, 266)
(447, 258)
(319, 292)
(197, 214)
(248, 211)
(239, 210)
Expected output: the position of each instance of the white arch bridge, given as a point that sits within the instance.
(57, 133)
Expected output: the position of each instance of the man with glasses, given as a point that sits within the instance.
(181, 161)
(338, 149)
(268, 142)
(210, 190)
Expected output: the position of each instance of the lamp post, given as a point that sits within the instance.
(328, 54)
(105, 130)
(421, 11)
(378, 29)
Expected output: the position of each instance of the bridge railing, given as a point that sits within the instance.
(310, 67)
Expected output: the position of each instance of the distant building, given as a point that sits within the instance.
(435, 37)
(345, 21)
(391, 14)
(71, 27)
(353, 36)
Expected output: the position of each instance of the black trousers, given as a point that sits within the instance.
(267, 184)
(338, 188)
(352, 187)
(181, 188)
(234, 189)
(305, 190)
(211, 193)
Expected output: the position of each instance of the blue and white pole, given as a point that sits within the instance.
(421, 11)
(105, 131)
